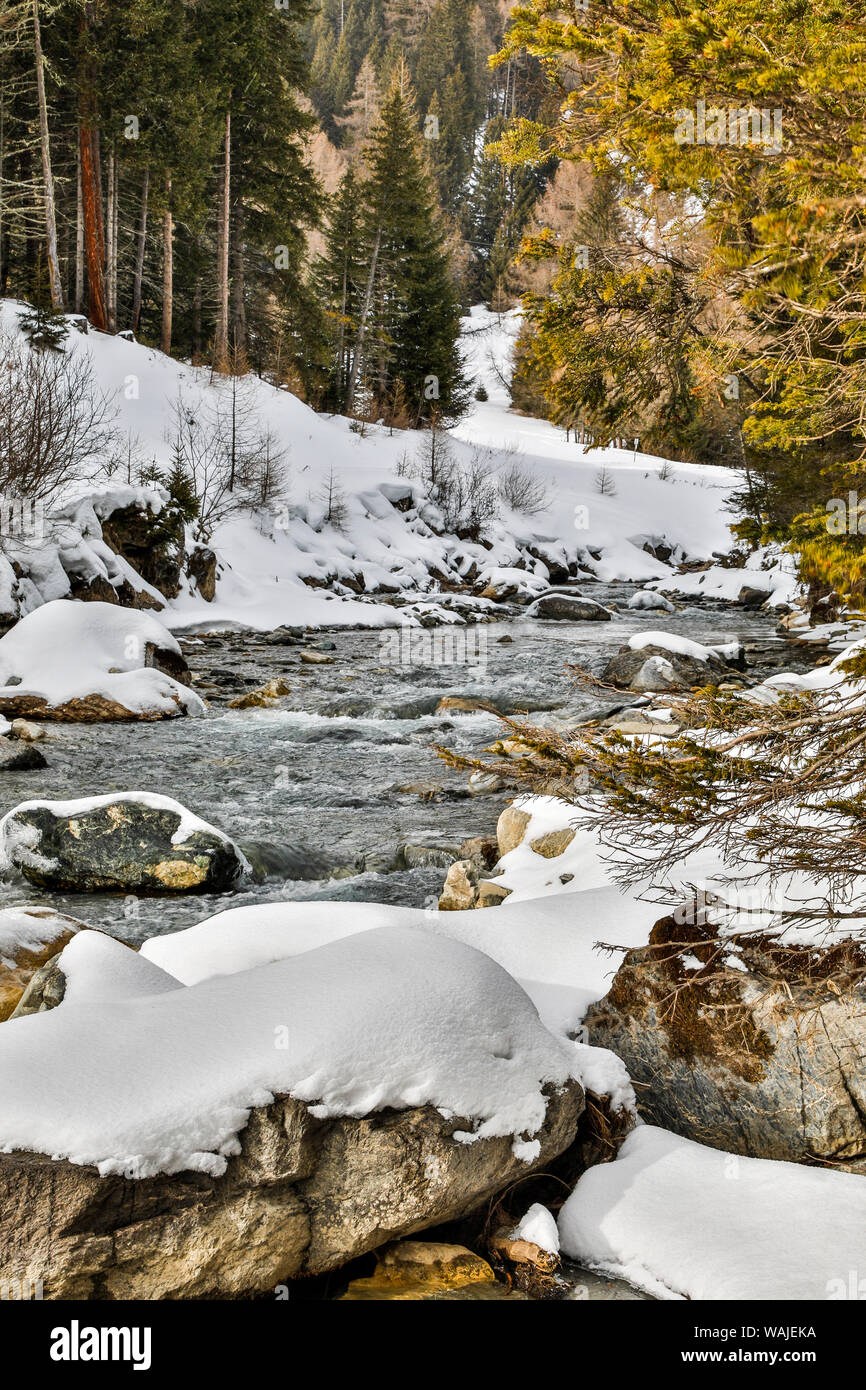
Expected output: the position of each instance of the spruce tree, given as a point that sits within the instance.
(406, 344)
(339, 279)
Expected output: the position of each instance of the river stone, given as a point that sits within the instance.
(510, 829)
(304, 1196)
(463, 704)
(46, 989)
(16, 756)
(20, 967)
(461, 887)
(491, 894)
(554, 843)
(573, 608)
(657, 668)
(265, 697)
(120, 846)
(27, 731)
(761, 1057)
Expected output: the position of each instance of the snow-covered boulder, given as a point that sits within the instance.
(504, 584)
(122, 842)
(665, 661)
(29, 936)
(765, 1051)
(86, 662)
(648, 600)
(325, 1103)
(569, 607)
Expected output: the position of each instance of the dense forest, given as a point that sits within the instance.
(166, 189)
(703, 295)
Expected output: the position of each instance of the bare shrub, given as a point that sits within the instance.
(56, 427)
(229, 466)
(522, 491)
(464, 492)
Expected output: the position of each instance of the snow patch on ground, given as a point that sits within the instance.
(680, 1220)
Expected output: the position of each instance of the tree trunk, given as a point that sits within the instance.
(238, 285)
(362, 324)
(141, 242)
(221, 344)
(167, 269)
(111, 245)
(79, 237)
(94, 240)
(54, 281)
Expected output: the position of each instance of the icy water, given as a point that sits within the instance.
(334, 783)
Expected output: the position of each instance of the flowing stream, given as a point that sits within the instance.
(328, 789)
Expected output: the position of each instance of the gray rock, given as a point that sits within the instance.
(657, 668)
(762, 1057)
(16, 756)
(572, 608)
(118, 846)
(305, 1196)
(46, 990)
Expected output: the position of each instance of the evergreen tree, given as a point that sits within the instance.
(405, 352)
(339, 278)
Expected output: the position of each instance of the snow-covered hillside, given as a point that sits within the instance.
(286, 564)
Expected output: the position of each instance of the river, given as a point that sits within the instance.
(333, 783)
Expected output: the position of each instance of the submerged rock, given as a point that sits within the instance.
(265, 697)
(16, 756)
(751, 1047)
(119, 844)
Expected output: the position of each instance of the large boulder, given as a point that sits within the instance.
(270, 1123)
(122, 842)
(304, 1196)
(570, 607)
(511, 829)
(745, 1045)
(148, 534)
(653, 667)
(30, 937)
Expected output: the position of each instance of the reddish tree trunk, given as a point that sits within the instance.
(94, 236)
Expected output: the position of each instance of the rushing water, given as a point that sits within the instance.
(327, 785)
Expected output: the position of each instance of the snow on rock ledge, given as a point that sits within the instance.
(93, 661)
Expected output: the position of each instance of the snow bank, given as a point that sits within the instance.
(164, 1081)
(66, 651)
(684, 1221)
(390, 542)
(548, 945)
(768, 569)
(99, 969)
